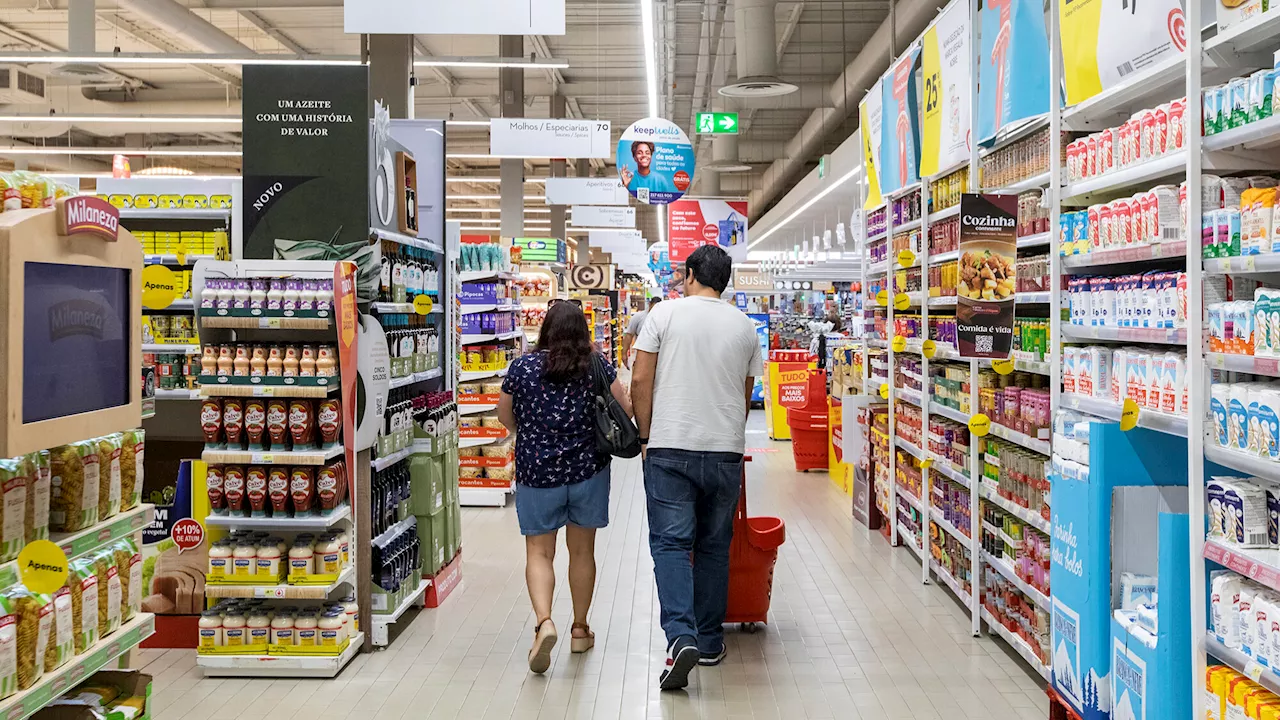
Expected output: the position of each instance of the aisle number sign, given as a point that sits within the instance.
(717, 123)
(944, 57)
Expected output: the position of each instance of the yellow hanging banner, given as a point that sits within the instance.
(870, 115)
(945, 74)
(1106, 45)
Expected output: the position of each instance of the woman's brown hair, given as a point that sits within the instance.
(566, 340)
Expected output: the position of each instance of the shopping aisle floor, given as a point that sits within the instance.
(852, 634)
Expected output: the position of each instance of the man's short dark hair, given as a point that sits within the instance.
(638, 143)
(710, 265)
(654, 301)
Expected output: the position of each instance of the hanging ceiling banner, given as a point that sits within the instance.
(655, 161)
(610, 240)
(986, 282)
(518, 137)
(870, 116)
(602, 216)
(1012, 82)
(900, 130)
(448, 17)
(1105, 43)
(944, 56)
(586, 191)
(692, 223)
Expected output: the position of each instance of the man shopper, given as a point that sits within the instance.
(633, 331)
(696, 359)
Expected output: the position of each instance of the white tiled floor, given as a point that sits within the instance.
(852, 634)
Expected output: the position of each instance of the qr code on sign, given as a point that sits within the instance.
(983, 343)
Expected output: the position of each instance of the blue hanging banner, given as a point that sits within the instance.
(900, 129)
(1012, 82)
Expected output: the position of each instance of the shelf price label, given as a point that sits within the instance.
(901, 301)
(270, 592)
(980, 425)
(899, 343)
(268, 323)
(1003, 366)
(928, 348)
(882, 298)
(1128, 415)
(42, 566)
(884, 390)
(906, 258)
(422, 304)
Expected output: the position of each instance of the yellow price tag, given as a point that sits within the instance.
(906, 258)
(422, 304)
(980, 425)
(926, 463)
(159, 287)
(928, 348)
(42, 566)
(884, 390)
(901, 301)
(882, 298)
(899, 343)
(1128, 415)
(1003, 366)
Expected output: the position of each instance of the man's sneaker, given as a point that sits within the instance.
(711, 659)
(682, 657)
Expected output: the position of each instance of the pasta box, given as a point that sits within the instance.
(133, 702)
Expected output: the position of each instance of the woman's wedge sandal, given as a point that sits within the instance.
(584, 643)
(544, 639)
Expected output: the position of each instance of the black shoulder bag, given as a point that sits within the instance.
(615, 433)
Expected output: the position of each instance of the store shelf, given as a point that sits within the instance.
(1268, 263)
(91, 538)
(949, 581)
(943, 467)
(1253, 364)
(489, 307)
(1134, 177)
(1247, 463)
(280, 666)
(1118, 256)
(1241, 662)
(482, 275)
(1261, 565)
(944, 213)
(467, 442)
(1033, 298)
(937, 408)
(1162, 336)
(498, 337)
(902, 191)
(415, 378)
(1035, 520)
(944, 257)
(407, 240)
(56, 682)
(907, 226)
(908, 539)
(388, 308)
(165, 394)
(483, 497)
(1037, 240)
(181, 305)
(935, 514)
(266, 323)
(1017, 438)
(283, 592)
(282, 391)
(1035, 182)
(912, 500)
(175, 214)
(879, 268)
(1150, 419)
(1035, 367)
(481, 374)
(1258, 135)
(271, 457)
(1255, 34)
(1019, 645)
(1040, 599)
(382, 622)
(911, 397)
(910, 448)
(174, 349)
(476, 408)
(288, 524)
(1145, 88)
(382, 463)
(173, 260)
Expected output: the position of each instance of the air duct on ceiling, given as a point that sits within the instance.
(756, 35)
(185, 26)
(724, 155)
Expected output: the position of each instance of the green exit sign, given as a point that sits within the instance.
(718, 123)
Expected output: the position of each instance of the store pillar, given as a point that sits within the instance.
(558, 170)
(390, 70)
(511, 88)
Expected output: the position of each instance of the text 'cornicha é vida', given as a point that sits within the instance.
(298, 117)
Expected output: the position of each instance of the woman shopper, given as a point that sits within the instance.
(547, 400)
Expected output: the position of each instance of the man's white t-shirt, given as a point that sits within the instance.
(706, 350)
(637, 323)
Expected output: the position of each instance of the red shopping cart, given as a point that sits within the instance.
(752, 556)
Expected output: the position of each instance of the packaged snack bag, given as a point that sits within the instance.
(8, 648)
(82, 584)
(131, 455)
(128, 563)
(109, 451)
(37, 512)
(109, 591)
(35, 616)
(73, 503)
(61, 647)
(13, 486)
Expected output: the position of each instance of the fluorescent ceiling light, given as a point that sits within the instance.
(650, 61)
(486, 197)
(157, 152)
(808, 204)
(527, 211)
(627, 231)
(468, 123)
(267, 59)
(210, 119)
(465, 179)
(103, 175)
(486, 156)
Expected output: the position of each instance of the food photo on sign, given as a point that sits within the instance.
(655, 161)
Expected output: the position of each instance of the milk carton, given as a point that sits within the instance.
(1224, 607)
(1069, 368)
(1238, 417)
(1174, 376)
(1219, 411)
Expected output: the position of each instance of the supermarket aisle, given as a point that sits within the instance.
(853, 634)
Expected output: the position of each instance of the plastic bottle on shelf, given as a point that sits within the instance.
(352, 608)
(282, 632)
(291, 361)
(307, 295)
(275, 294)
(307, 365)
(225, 294)
(258, 362)
(328, 555)
(330, 627)
(258, 293)
(275, 363)
(233, 627)
(290, 299)
(209, 293)
(268, 558)
(301, 559)
(243, 558)
(305, 628)
(210, 629)
(258, 628)
(324, 295)
(241, 363)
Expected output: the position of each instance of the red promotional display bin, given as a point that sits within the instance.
(752, 556)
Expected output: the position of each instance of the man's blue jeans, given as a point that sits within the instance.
(692, 498)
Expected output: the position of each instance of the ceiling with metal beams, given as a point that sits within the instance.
(699, 46)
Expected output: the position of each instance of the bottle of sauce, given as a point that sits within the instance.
(258, 627)
(275, 363)
(326, 366)
(242, 361)
(209, 300)
(269, 559)
(324, 293)
(219, 562)
(258, 294)
(233, 629)
(291, 361)
(282, 629)
(258, 363)
(209, 361)
(305, 628)
(307, 366)
(307, 295)
(291, 292)
(226, 364)
(275, 295)
(330, 627)
(226, 294)
(243, 559)
(211, 629)
(301, 560)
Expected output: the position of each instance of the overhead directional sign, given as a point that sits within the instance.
(717, 123)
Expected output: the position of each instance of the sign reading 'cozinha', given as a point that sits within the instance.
(88, 214)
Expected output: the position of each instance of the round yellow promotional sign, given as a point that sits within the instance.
(901, 301)
(1128, 415)
(899, 343)
(926, 463)
(906, 258)
(882, 298)
(928, 348)
(884, 390)
(423, 304)
(159, 287)
(1003, 366)
(42, 566)
(980, 425)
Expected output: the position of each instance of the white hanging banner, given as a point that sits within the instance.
(609, 239)
(519, 137)
(602, 216)
(586, 191)
(449, 17)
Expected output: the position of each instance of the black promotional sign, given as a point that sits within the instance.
(306, 165)
(987, 286)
